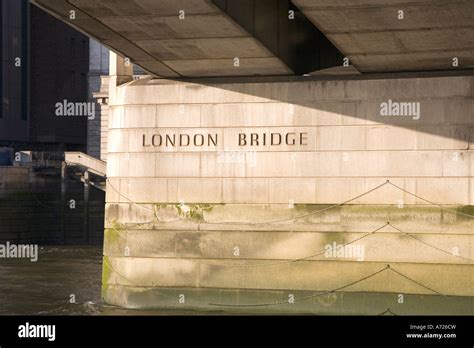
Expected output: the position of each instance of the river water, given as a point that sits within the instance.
(45, 288)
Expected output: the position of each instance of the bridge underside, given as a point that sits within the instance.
(199, 38)
(397, 35)
(188, 38)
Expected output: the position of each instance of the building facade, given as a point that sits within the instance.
(44, 62)
(14, 91)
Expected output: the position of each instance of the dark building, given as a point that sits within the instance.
(14, 120)
(43, 62)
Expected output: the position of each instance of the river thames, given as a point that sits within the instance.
(62, 273)
(45, 287)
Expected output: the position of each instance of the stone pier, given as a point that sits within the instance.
(259, 226)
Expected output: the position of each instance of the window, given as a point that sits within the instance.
(73, 82)
(1, 59)
(71, 47)
(24, 59)
(84, 50)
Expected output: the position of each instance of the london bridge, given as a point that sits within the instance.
(212, 139)
(256, 157)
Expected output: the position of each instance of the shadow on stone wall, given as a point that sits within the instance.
(446, 98)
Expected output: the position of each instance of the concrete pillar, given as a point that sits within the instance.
(102, 100)
(63, 199)
(120, 71)
(86, 206)
(104, 126)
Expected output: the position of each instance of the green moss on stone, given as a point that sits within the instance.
(467, 209)
(106, 271)
(195, 212)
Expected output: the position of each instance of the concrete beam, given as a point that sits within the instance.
(203, 37)
(152, 33)
(428, 36)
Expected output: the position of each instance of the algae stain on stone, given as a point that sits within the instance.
(106, 271)
(194, 212)
(114, 239)
(466, 209)
(105, 290)
(113, 233)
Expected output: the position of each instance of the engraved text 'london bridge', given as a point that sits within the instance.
(212, 139)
